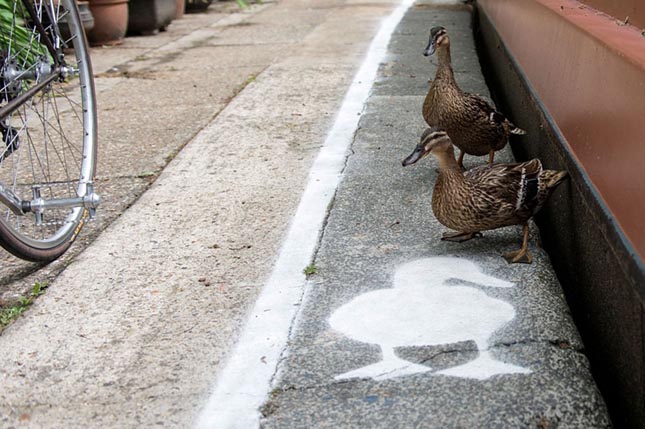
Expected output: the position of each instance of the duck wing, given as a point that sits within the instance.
(516, 186)
(482, 109)
(485, 111)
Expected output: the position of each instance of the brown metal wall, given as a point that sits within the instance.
(571, 88)
(590, 74)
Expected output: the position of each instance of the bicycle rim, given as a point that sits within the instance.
(48, 147)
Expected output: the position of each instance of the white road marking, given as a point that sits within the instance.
(421, 309)
(243, 385)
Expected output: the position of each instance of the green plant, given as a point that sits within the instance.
(15, 37)
(310, 270)
(146, 174)
(8, 315)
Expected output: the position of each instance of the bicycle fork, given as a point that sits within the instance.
(38, 205)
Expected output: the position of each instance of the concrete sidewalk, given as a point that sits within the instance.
(400, 329)
(139, 328)
(134, 330)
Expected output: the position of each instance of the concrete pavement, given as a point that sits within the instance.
(133, 331)
(139, 328)
(398, 329)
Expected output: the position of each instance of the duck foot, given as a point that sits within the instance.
(388, 368)
(460, 237)
(483, 368)
(521, 256)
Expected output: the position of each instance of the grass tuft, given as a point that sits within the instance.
(8, 315)
(310, 270)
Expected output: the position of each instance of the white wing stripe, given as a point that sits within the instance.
(521, 191)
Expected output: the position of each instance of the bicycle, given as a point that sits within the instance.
(49, 128)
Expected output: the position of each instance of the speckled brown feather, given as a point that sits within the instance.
(489, 197)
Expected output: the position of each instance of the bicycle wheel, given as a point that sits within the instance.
(48, 125)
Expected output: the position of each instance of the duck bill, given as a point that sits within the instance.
(429, 49)
(414, 157)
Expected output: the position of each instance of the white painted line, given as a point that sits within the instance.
(244, 383)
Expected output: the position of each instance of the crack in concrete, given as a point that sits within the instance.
(560, 344)
(294, 323)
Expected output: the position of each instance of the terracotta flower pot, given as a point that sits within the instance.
(110, 22)
(181, 7)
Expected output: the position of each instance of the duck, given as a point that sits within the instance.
(434, 301)
(485, 197)
(475, 126)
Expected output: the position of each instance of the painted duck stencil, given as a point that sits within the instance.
(422, 309)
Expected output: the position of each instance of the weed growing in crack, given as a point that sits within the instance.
(310, 270)
(8, 315)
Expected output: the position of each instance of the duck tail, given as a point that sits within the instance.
(554, 178)
(517, 130)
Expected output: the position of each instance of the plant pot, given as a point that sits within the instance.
(193, 6)
(110, 22)
(149, 16)
(181, 7)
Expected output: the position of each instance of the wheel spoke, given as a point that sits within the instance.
(47, 117)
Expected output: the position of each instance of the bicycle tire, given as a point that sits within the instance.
(49, 143)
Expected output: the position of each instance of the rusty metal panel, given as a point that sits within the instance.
(602, 275)
(630, 11)
(590, 74)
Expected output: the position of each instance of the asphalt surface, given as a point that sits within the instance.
(395, 328)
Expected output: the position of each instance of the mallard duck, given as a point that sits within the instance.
(475, 127)
(485, 197)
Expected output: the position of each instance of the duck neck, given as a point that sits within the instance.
(448, 166)
(444, 70)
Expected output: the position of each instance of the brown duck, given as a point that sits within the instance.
(485, 197)
(475, 127)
